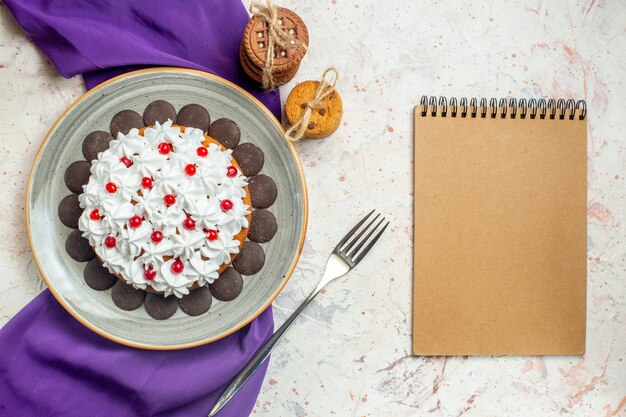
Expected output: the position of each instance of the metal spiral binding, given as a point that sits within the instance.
(532, 109)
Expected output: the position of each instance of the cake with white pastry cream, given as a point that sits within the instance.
(166, 208)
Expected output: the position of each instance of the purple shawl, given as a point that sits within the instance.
(51, 365)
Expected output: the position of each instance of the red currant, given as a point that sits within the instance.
(164, 148)
(135, 221)
(231, 172)
(126, 161)
(95, 214)
(149, 273)
(169, 199)
(189, 223)
(177, 266)
(110, 242)
(226, 205)
(211, 235)
(202, 152)
(190, 170)
(156, 236)
(146, 182)
(111, 187)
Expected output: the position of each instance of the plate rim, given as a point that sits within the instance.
(254, 315)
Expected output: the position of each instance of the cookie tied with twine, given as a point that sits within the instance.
(314, 108)
(274, 42)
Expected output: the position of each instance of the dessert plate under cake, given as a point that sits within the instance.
(93, 112)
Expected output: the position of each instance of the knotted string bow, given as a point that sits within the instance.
(277, 35)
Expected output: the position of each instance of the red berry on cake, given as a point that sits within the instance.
(189, 223)
(177, 266)
(190, 170)
(126, 161)
(149, 273)
(226, 205)
(202, 152)
(211, 235)
(169, 199)
(164, 148)
(111, 187)
(156, 236)
(95, 214)
(231, 172)
(110, 242)
(135, 221)
(146, 182)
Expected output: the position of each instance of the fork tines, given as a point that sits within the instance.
(351, 247)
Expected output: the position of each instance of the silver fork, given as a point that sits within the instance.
(346, 255)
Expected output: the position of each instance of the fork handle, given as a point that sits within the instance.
(259, 357)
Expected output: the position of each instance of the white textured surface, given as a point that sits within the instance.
(348, 355)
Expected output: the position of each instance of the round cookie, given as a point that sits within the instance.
(94, 143)
(125, 120)
(250, 158)
(250, 260)
(77, 175)
(263, 191)
(97, 276)
(159, 307)
(69, 211)
(196, 302)
(256, 73)
(78, 247)
(226, 132)
(252, 72)
(194, 115)
(127, 297)
(263, 226)
(324, 120)
(159, 111)
(228, 286)
(255, 45)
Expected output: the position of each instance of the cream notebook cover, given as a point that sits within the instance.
(500, 227)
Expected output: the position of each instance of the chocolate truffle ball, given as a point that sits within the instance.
(228, 286)
(124, 121)
(251, 258)
(263, 226)
(226, 132)
(127, 297)
(196, 302)
(194, 115)
(263, 191)
(250, 158)
(159, 111)
(97, 276)
(77, 175)
(94, 143)
(78, 247)
(69, 211)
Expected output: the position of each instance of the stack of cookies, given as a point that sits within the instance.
(286, 60)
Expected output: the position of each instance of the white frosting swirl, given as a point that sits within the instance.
(198, 197)
(220, 248)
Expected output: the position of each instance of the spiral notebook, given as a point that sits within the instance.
(500, 227)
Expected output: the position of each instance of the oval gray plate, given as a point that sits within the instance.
(62, 146)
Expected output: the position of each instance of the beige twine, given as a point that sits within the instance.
(277, 35)
(324, 88)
